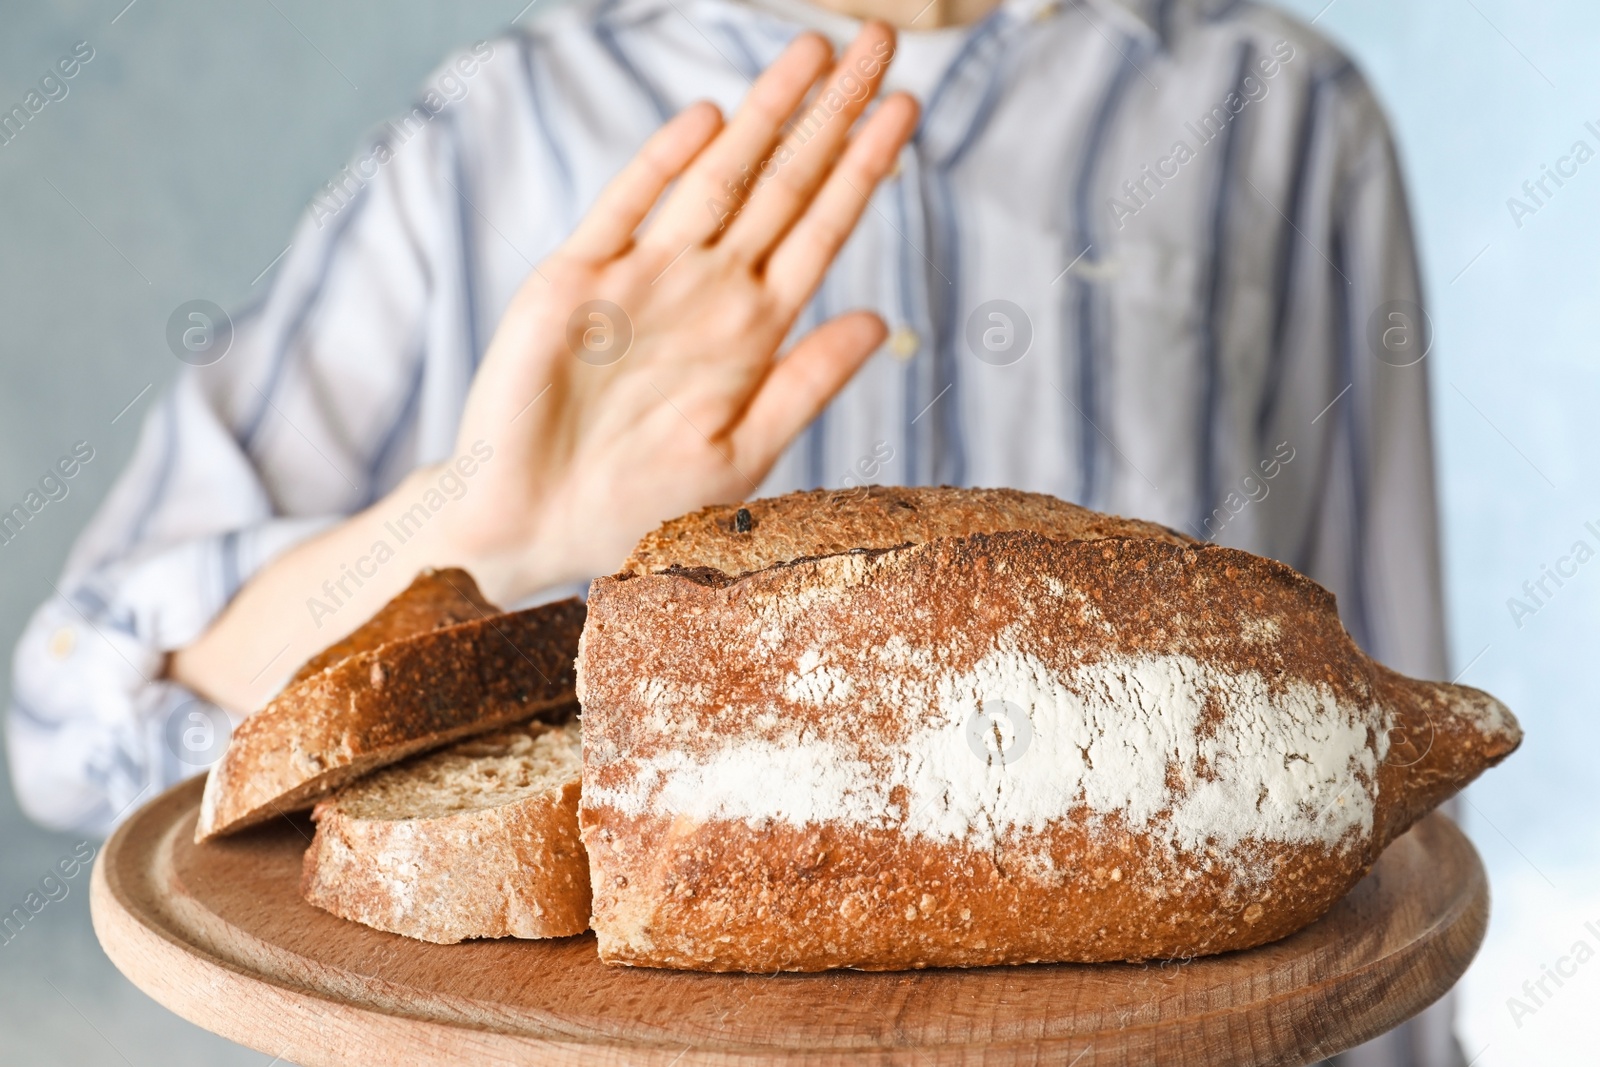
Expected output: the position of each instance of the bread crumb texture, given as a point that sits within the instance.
(487, 771)
(476, 840)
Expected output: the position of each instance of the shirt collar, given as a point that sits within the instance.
(1154, 20)
(1142, 16)
(1149, 20)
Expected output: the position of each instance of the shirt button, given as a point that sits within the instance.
(904, 343)
(62, 642)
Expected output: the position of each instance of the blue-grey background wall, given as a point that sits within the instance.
(174, 169)
(185, 149)
(1483, 94)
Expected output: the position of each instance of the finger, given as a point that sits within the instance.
(791, 175)
(797, 264)
(608, 227)
(802, 383)
(717, 183)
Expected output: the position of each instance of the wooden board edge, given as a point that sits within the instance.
(320, 1031)
(298, 1026)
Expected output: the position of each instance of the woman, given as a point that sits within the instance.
(1143, 254)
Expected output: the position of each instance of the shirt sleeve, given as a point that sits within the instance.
(1355, 400)
(312, 412)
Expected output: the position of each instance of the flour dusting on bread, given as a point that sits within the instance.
(1121, 738)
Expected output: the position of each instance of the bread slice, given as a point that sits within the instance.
(434, 599)
(395, 695)
(1081, 739)
(476, 840)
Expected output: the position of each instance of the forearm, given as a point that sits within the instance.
(320, 591)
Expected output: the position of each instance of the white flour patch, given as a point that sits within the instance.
(1124, 737)
(668, 703)
(1486, 713)
(816, 683)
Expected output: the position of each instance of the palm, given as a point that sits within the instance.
(634, 376)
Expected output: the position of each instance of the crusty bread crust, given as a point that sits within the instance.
(379, 706)
(512, 869)
(433, 600)
(703, 689)
(824, 522)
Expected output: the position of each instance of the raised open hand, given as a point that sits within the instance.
(636, 374)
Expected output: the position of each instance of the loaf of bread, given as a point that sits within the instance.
(476, 840)
(933, 727)
(439, 663)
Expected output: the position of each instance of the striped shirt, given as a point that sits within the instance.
(1152, 256)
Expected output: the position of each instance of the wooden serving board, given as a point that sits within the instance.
(219, 934)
